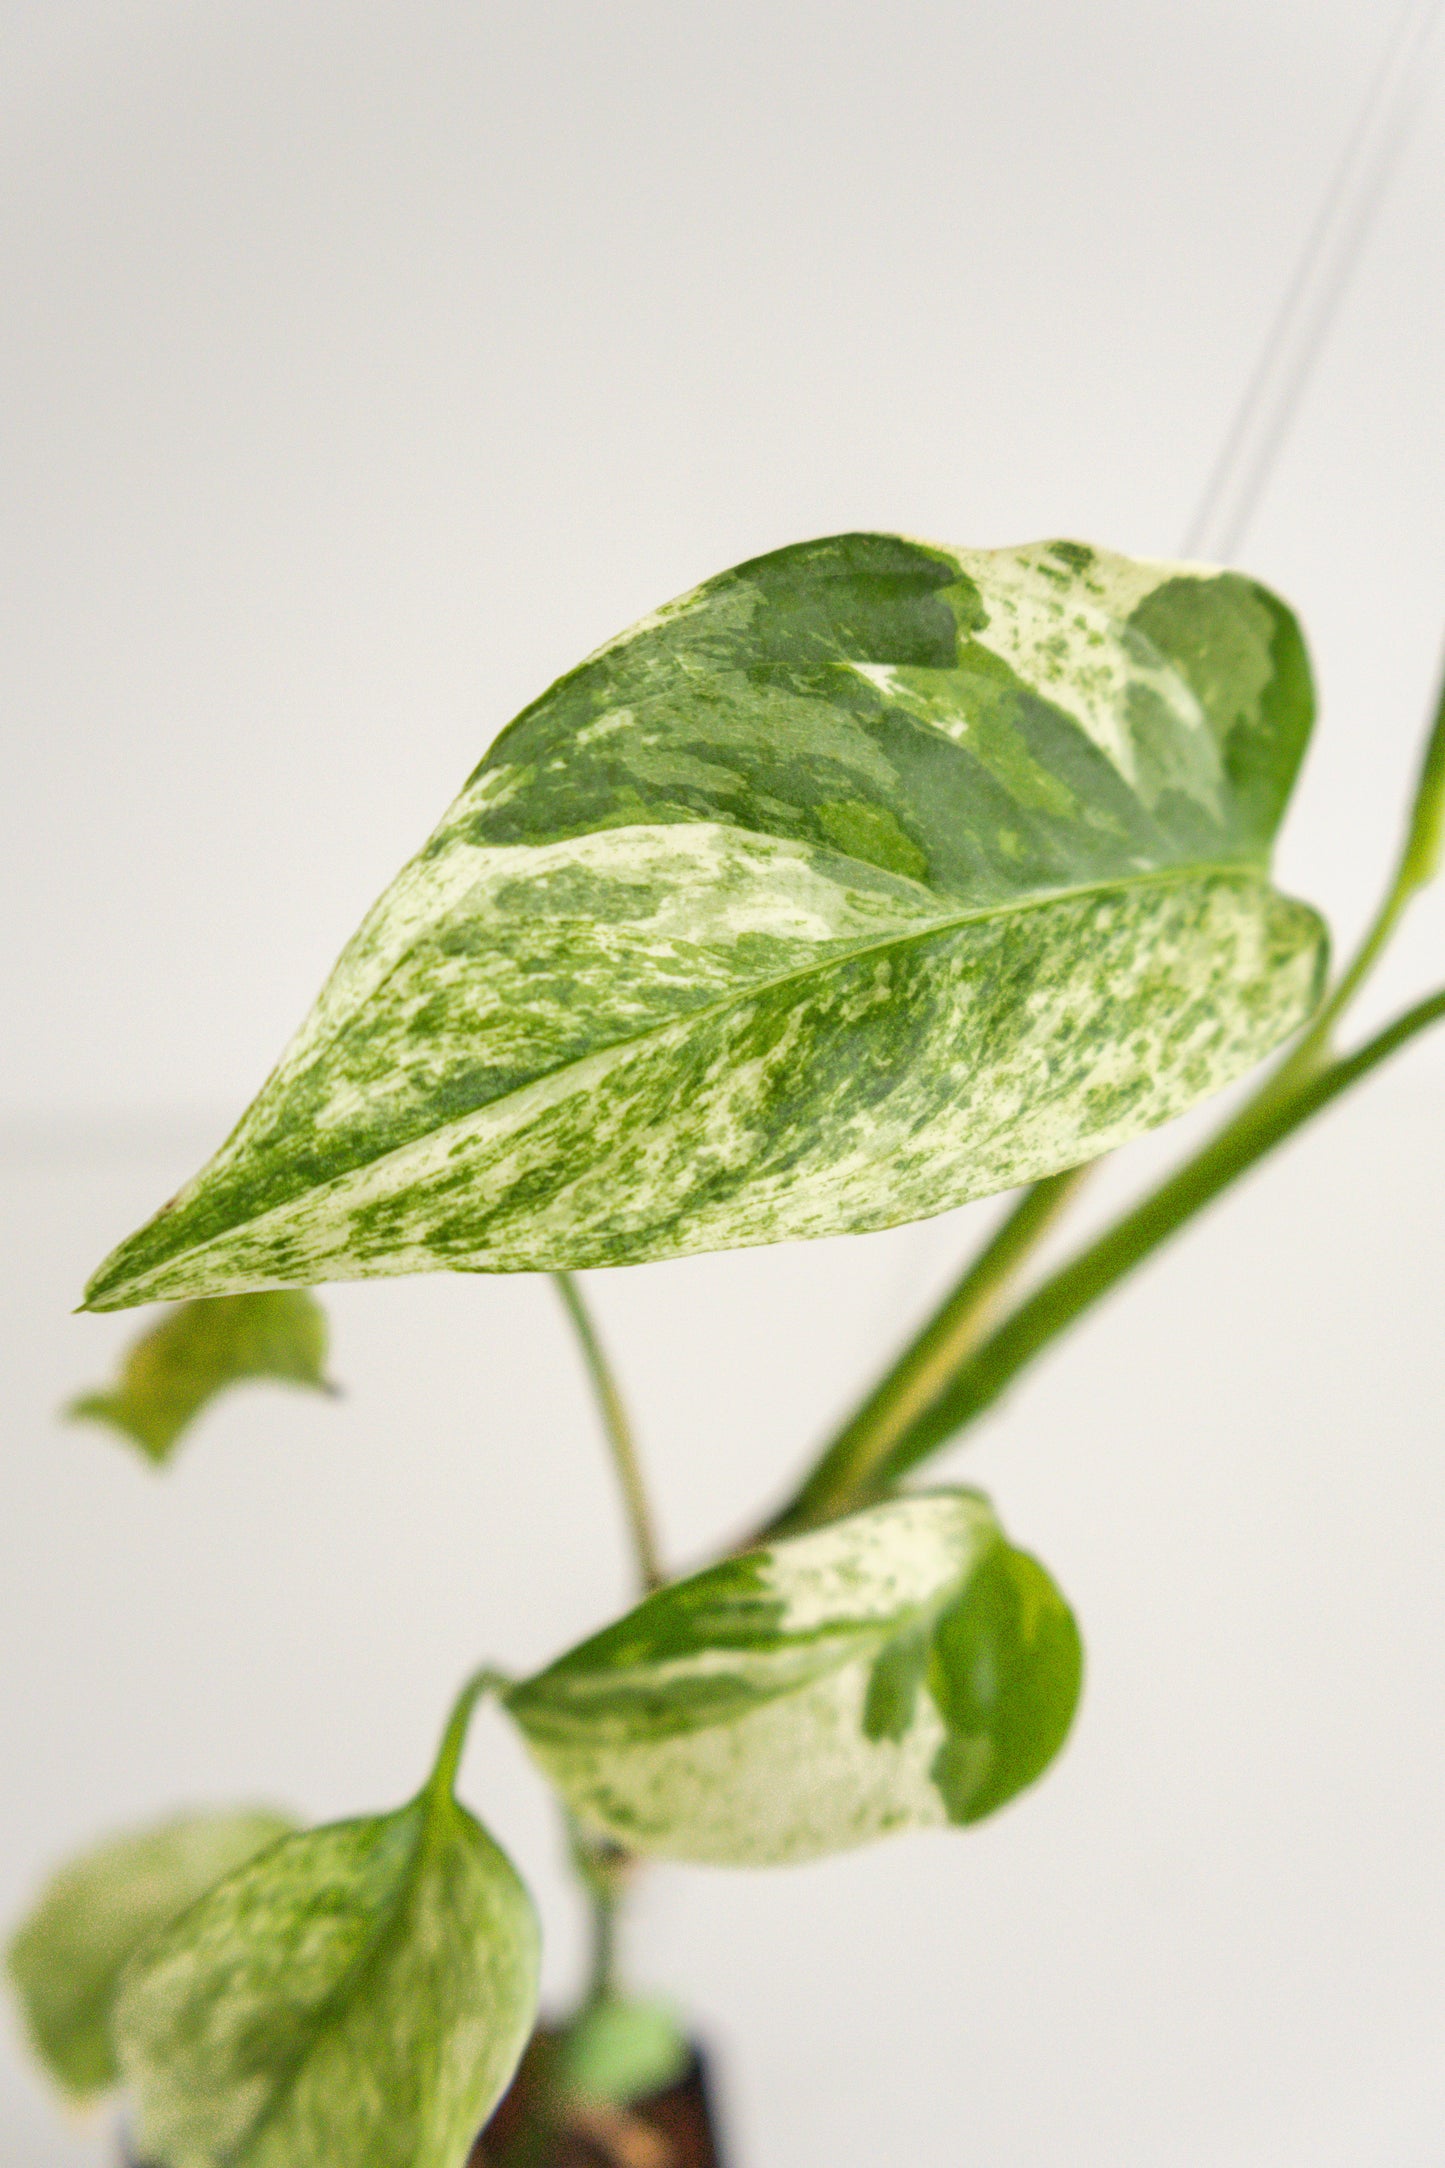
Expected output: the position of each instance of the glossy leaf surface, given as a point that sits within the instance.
(360, 1994)
(171, 1373)
(901, 1668)
(66, 1960)
(868, 878)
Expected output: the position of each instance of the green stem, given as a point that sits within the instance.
(1074, 1289)
(604, 1950)
(604, 1870)
(443, 1780)
(917, 1376)
(1418, 863)
(618, 1432)
(602, 1867)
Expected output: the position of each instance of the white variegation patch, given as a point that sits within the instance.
(878, 1567)
(1058, 629)
(794, 1779)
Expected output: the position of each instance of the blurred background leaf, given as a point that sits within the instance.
(198, 1349)
(67, 1956)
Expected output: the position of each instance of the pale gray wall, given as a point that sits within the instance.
(364, 366)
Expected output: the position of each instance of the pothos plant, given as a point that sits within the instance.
(869, 878)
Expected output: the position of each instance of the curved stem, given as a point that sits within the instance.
(618, 1432)
(1417, 866)
(920, 1372)
(442, 1782)
(1074, 1289)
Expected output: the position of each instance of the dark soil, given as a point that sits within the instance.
(670, 2129)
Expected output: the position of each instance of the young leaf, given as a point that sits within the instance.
(171, 1372)
(868, 878)
(620, 2050)
(66, 1959)
(904, 1667)
(360, 1994)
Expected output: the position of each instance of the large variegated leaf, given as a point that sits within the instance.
(360, 1994)
(901, 1668)
(67, 1958)
(866, 879)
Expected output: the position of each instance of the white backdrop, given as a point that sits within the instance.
(365, 365)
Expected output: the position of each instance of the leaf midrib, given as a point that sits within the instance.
(347, 1985)
(1242, 869)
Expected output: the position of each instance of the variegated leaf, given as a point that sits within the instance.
(901, 1668)
(66, 1959)
(198, 1349)
(361, 1994)
(868, 878)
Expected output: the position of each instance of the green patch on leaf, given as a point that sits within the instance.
(66, 1960)
(1005, 1667)
(177, 1368)
(868, 878)
(360, 1994)
(901, 1668)
(893, 1686)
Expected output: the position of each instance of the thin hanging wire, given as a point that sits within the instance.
(1331, 254)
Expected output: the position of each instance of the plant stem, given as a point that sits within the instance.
(604, 1869)
(604, 1949)
(1061, 1299)
(442, 1781)
(618, 1432)
(601, 1866)
(1417, 865)
(920, 1372)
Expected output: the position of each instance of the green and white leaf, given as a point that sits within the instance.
(66, 1959)
(903, 1668)
(870, 877)
(361, 1995)
(177, 1368)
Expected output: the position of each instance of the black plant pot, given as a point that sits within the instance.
(673, 2128)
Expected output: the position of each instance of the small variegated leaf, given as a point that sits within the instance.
(171, 1372)
(66, 1959)
(901, 1668)
(868, 878)
(361, 1995)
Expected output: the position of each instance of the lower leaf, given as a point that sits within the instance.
(359, 1996)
